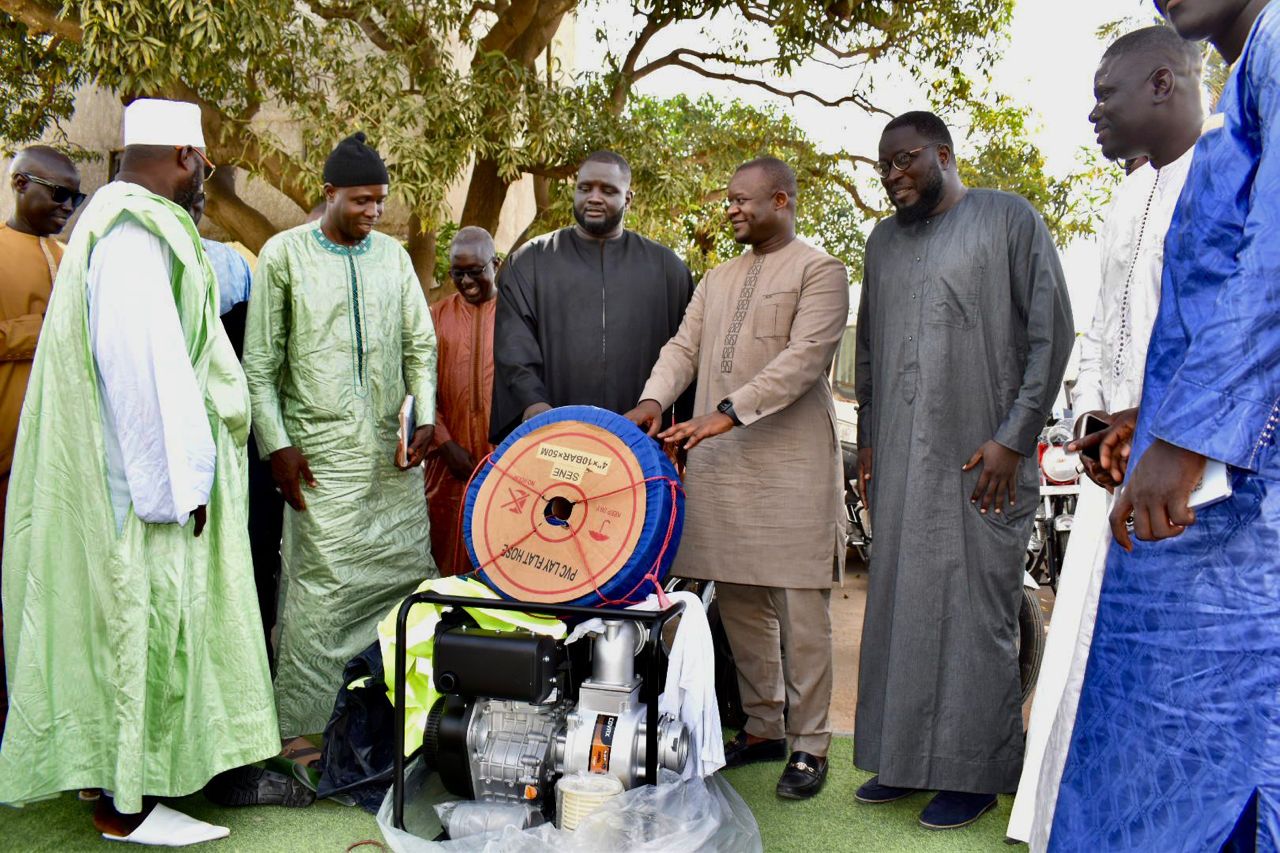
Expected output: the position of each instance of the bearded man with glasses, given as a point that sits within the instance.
(46, 189)
(964, 331)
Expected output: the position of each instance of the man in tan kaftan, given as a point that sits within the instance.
(46, 188)
(763, 516)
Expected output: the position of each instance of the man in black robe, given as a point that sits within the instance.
(584, 311)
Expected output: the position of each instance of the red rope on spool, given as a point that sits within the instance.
(651, 575)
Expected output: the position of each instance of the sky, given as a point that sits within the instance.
(1047, 63)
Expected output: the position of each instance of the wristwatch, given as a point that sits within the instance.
(726, 408)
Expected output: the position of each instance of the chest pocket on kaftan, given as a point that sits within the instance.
(775, 313)
(952, 298)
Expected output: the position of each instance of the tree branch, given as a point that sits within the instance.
(362, 19)
(681, 57)
(236, 144)
(540, 32)
(849, 187)
(44, 18)
(512, 21)
(242, 221)
(555, 173)
(626, 73)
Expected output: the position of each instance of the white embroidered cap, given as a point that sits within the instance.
(151, 121)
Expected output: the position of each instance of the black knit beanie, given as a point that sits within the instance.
(355, 164)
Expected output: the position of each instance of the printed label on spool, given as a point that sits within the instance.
(560, 514)
(571, 458)
(602, 743)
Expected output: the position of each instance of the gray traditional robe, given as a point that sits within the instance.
(964, 331)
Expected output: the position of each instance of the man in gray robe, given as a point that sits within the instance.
(964, 331)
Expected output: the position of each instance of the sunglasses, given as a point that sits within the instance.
(59, 193)
(209, 168)
(458, 273)
(901, 161)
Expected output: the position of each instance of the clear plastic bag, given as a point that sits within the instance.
(464, 818)
(702, 815)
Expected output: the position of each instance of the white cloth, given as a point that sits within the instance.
(153, 121)
(1113, 355)
(690, 692)
(164, 827)
(160, 451)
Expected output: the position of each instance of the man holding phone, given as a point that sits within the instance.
(1147, 93)
(1175, 741)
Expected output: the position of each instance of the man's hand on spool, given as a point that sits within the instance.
(458, 460)
(420, 445)
(698, 429)
(647, 415)
(535, 410)
(289, 468)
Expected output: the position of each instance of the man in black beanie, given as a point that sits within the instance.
(338, 333)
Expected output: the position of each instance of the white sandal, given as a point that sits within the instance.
(165, 827)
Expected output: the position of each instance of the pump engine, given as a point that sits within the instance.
(514, 719)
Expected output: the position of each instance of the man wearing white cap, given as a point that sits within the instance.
(135, 652)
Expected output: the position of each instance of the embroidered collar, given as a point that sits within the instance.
(330, 246)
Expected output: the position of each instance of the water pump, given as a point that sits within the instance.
(514, 718)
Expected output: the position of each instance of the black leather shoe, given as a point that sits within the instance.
(738, 752)
(873, 793)
(954, 809)
(803, 777)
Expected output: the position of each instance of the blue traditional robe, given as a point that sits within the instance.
(1179, 720)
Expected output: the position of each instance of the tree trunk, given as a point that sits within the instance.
(485, 195)
(541, 202)
(422, 251)
(243, 222)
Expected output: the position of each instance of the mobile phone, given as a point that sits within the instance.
(1093, 424)
(1214, 486)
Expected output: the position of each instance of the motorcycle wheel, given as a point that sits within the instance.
(1030, 641)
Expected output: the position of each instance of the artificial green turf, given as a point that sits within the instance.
(832, 821)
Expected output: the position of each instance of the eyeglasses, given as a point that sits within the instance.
(59, 193)
(458, 273)
(209, 168)
(901, 161)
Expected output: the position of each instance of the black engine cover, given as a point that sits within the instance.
(517, 665)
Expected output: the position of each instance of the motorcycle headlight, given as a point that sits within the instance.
(1058, 465)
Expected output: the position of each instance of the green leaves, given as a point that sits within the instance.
(466, 98)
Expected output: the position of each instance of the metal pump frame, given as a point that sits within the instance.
(655, 619)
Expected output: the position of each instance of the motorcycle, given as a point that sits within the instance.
(857, 519)
(1059, 475)
(1059, 491)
